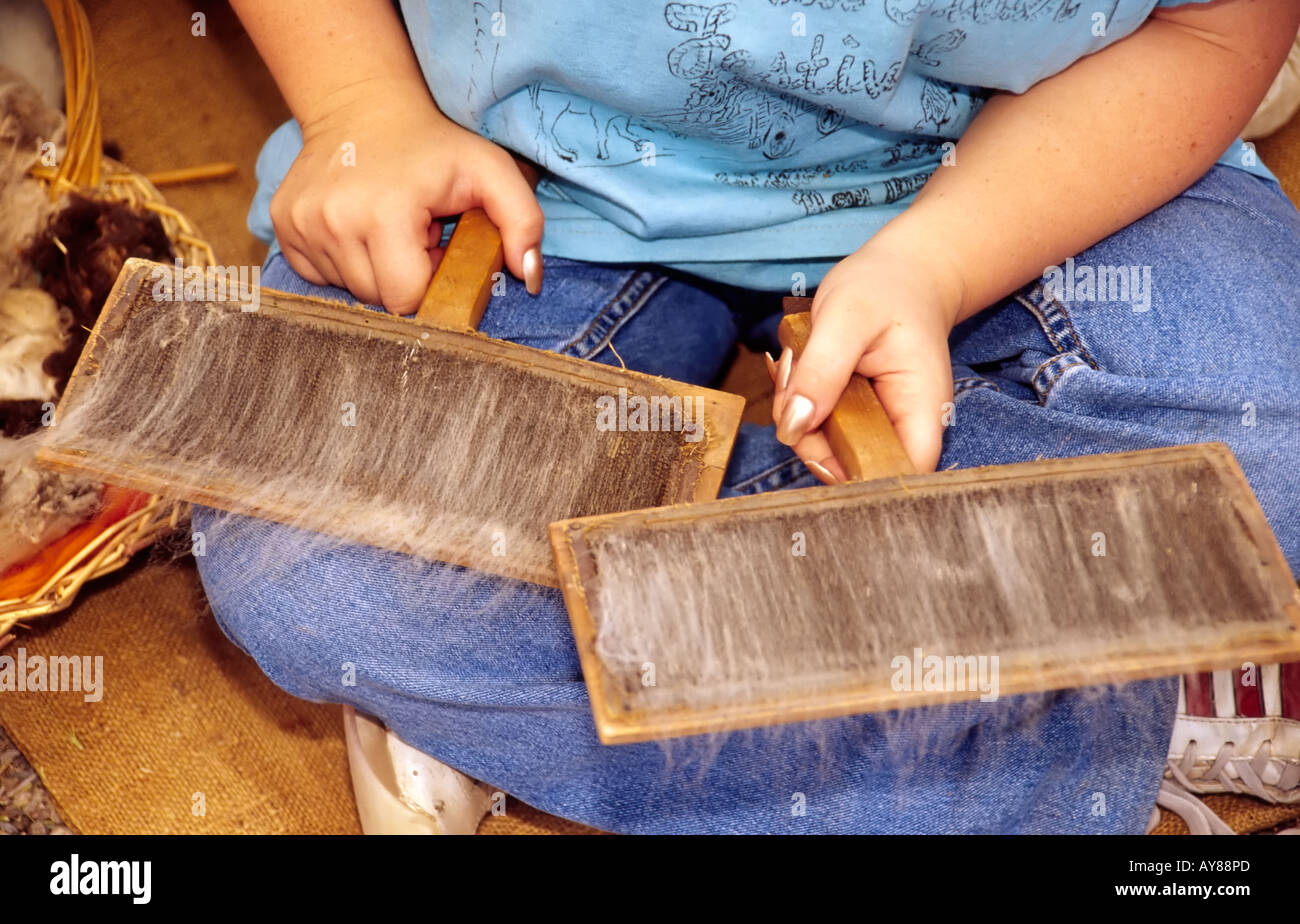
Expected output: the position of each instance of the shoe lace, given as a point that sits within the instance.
(1246, 770)
(1200, 817)
(1228, 769)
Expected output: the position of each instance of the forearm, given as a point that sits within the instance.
(1042, 176)
(327, 54)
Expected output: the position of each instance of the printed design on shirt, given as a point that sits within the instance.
(905, 12)
(483, 61)
(583, 126)
(812, 201)
(987, 11)
(874, 83)
(735, 97)
(908, 12)
(794, 177)
(901, 153)
(735, 100)
(731, 92)
(851, 6)
(891, 189)
(939, 104)
(927, 52)
(694, 57)
(909, 150)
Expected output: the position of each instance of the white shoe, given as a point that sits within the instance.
(1220, 743)
(400, 790)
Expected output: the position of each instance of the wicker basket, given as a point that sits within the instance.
(127, 520)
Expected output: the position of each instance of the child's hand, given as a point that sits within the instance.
(884, 312)
(358, 208)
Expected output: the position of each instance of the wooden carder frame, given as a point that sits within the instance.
(867, 447)
(446, 321)
(618, 721)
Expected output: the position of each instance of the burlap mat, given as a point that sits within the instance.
(1243, 814)
(190, 737)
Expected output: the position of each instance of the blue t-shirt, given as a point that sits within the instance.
(744, 141)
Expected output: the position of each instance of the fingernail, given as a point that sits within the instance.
(783, 369)
(822, 471)
(798, 411)
(771, 366)
(533, 270)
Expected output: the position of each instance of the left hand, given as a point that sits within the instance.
(884, 312)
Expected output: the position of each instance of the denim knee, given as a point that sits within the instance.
(336, 622)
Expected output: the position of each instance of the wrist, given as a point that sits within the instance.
(365, 99)
(911, 244)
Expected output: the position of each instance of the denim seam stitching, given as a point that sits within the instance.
(1075, 336)
(1050, 370)
(595, 320)
(1058, 309)
(572, 346)
(621, 317)
(971, 382)
(1063, 362)
(1036, 311)
(631, 289)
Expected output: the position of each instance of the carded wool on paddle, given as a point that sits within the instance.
(371, 430)
(945, 584)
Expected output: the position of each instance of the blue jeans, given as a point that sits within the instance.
(481, 672)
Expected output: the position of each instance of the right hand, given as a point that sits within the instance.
(883, 312)
(368, 222)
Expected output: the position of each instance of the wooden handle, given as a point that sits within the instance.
(462, 284)
(857, 428)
